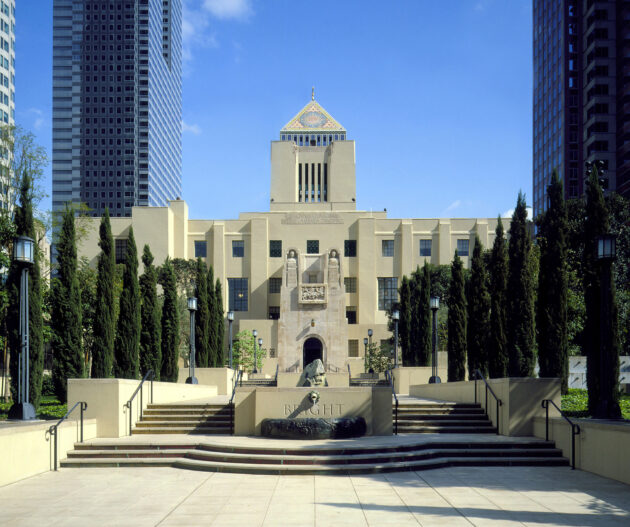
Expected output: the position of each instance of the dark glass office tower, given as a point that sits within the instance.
(581, 93)
(117, 103)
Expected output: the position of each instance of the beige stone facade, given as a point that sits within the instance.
(312, 267)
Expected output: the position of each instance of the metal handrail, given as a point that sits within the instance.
(277, 369)
(575, 428)
(53, 429)
(349, 373)
(239, 374)
(139, 389)
(389, 375)
(499, 402)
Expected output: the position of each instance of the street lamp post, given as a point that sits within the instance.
(260, 343)
(608, 406)
(230, 317)
(255, 370)
(365, 361)
(371, 370)
(24, 255)
(395, 318)
(435, 305)
(192, 307)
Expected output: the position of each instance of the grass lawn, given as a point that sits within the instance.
(49, 408)
(575, 403)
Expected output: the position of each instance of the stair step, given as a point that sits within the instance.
(186, 417)
(214, 466)
(181, 423)
(182, 430)
(440, 417)
(445, 430)
(279, 459)
(199, 407)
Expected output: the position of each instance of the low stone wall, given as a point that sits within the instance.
(521, 398)
(602, 447)
(106, 400)
(407, 376)
(27, 449)
(255, 404)
(222, 378)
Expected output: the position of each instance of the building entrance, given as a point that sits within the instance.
(312, 350)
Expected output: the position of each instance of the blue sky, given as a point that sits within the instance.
(437, 96)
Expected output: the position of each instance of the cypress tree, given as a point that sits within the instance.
(424, 317)
(521, 299)
(66, 320)
(212, 321)
(497, 345)
(202, 318)
(551, 320)
(24, 226)
(218, 301)
(415, 331)
(128, 331)
(104, 323)
(150, 328)
(602, 354)
(456, 323)
(170, 325)
(478, 323)
(404, 324)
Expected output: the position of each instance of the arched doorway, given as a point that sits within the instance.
(312, 350)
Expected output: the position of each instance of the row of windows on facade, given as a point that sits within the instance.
(238, 292)
(312, 247)
(313, 140)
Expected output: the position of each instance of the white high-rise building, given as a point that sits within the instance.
(7, 79)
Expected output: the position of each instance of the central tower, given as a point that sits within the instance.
(313, 164)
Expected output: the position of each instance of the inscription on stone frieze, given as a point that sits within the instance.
(311, 218)
(323, 410)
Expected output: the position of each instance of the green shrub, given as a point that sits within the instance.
(48, 387)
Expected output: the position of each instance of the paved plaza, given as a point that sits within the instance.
(496, 496)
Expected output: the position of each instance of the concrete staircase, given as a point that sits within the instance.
(185, 419)
(418, 417)
(399, 455)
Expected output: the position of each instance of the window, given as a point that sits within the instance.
(462, 247)
(388, 247)
(238, 294)
(274, 312)
(351, 314)
(353, 348)
(275, 284)
(350, 248)
(272, 353)
(238, 248)
(275, 248)
(121, 251)
(313, 278)
(200, 249)
(425, 247)
(387, 293)
(351, 284)
(312, 246)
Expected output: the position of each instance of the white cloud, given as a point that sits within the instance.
(226, 9)
(194, 129)
(509, 213)
(197, 30)
(456, 204)
(39, 117)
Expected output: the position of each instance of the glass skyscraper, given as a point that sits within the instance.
(117, 103)
(581, 94)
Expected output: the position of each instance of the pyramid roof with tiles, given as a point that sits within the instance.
(312, 118)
